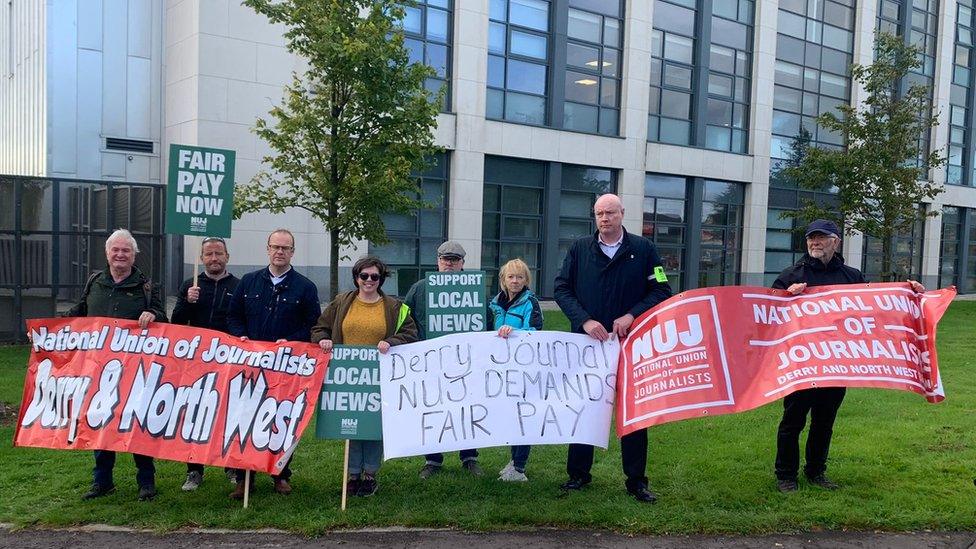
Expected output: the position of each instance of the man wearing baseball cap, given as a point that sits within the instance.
(450, 258)
(822, 265)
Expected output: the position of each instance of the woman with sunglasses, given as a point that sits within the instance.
(365, 316)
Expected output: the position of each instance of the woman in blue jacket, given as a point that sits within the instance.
(515, 308)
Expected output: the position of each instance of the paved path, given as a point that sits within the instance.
(108, 537)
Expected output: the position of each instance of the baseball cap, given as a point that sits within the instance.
(450, 249)
(823, 226)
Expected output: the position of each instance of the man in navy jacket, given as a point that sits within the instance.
(607, 280)
(274, 304)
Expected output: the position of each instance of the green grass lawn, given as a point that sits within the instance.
(904, 465)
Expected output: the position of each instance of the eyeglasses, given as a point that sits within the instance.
(213, 239)
(369, 276)
(272, 247)
(451, 258)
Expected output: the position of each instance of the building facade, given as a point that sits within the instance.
(685, 108)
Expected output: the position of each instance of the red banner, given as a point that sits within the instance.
(173, 392)
(723, 350)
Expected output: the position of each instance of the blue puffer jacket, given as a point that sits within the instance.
(522, 313)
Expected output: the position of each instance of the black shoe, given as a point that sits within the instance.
(786, 485)
(367, 485)
(472, 466)
(352, 486)
(642, 494)
(574, 484)
(822, 481)
(429, 470)
(98, 490)
(147, 493)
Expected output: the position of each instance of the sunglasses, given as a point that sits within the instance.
(369, 276)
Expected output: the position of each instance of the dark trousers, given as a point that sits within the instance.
(822, 405)
(520, 456)
(284, 475)
(105, 462)
(463, 455)
(633, 457)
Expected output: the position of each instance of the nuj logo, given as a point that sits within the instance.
(665, 337)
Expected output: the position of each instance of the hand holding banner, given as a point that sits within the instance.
(722, 350)
(173, 392)
(477, 390)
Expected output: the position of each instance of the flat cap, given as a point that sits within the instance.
(450, 249)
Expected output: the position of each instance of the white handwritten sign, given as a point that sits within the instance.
(477, 390)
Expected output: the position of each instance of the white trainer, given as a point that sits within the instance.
(513, 475)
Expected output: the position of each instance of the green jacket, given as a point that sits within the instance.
(400, 327)
(127, 299)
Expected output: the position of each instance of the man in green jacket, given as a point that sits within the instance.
(121, 291)
(450, 258)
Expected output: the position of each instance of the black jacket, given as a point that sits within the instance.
(591, 285)
(815, 273)
(265, 312)
(127, 299)
(210, 311)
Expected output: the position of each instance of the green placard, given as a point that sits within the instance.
(200, 191)
(456, 303)
(349, 407)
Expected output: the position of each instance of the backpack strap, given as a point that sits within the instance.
(147, 293)
(88, 284)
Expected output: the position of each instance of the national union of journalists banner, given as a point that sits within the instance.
(722, 350)
(172, 392)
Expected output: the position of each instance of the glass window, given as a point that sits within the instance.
(716, 222)
(526, 77)
(517, 88)
(411, 250)
(427, 31)
(529, 45)
(593, 69)
(533, 14)
(584, 26)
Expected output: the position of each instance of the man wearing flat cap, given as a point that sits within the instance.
(450, 258)
(822, 265)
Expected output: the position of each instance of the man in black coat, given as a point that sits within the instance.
(820, 266)
(204, 305)
(121, 291)
(607, 280)
(274, 304)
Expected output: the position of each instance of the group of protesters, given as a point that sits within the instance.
(606, 281)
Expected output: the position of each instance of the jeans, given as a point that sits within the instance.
(463, 455)
(520, 456)
(365, 456)
(105, 462)
(822, 405)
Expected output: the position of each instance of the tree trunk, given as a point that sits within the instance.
(333, 264)
(887, 274)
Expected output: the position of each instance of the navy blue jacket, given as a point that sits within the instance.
(815, 273)
(592, 286)
(265, 312)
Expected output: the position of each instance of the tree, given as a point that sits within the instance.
(882, 176)
(351, 128)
